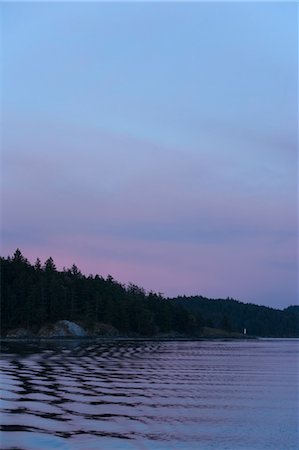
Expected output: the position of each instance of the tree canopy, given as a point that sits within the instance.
(39, 294)
(34, 295)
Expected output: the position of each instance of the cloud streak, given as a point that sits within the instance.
(168, 227)
(168, 159)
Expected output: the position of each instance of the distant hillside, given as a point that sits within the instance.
(38, 295)
(233, 315)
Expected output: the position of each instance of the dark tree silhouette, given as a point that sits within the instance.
(35, 295)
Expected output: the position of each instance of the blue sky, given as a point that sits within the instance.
(156, 142)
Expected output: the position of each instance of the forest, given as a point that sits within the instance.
(33, 295)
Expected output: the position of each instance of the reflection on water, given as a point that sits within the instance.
(150, 395)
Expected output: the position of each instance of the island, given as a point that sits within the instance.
(38, 301)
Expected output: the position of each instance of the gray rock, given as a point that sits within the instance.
(19, 333)
(104, 329)
(62, 328)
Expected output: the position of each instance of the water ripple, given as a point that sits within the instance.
(149, 395)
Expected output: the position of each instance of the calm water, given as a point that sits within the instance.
(150, 395)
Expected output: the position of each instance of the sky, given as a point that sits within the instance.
(156, 142)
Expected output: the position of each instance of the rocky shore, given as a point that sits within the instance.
(65, 329)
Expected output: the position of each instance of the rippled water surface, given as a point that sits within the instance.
(150, 395)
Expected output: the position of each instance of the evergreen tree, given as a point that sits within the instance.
(38, 265)
(32, 296)
(49, 265)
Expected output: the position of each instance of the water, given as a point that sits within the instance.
(143, 395)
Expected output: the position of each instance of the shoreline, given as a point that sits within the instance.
(66, 330)
(136, 339)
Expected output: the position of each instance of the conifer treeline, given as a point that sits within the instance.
(233, 315)
(35, 295)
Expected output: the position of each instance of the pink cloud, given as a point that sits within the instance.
(168, 219)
